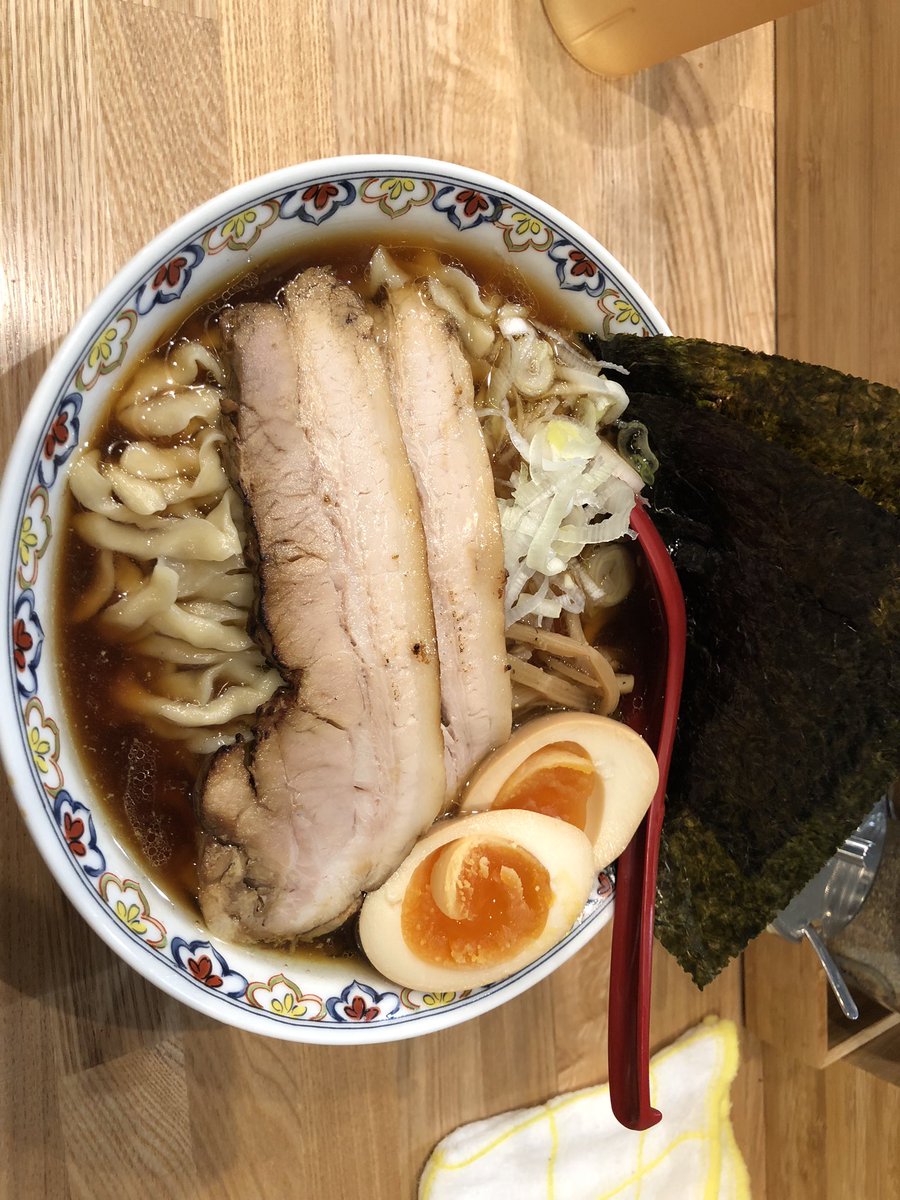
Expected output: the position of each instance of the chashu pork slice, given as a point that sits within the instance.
(434, 394)
(347, 766)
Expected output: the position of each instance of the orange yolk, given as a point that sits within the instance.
(557, 781)
(502, 896)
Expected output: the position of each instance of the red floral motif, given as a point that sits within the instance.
(473, 202)
(170, 272)
(320, 194)
(357, 1011)
(22, 643)
(581, 264)
(73, 832)
(202, 970)
(57, 435)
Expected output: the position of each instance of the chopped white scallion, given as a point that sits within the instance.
(572, 491)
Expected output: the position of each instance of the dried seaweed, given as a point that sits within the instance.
(789, 727)
(845, 426)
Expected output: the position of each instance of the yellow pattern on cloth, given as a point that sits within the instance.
(572, 1148)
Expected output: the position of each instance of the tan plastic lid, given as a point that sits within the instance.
(614, 37)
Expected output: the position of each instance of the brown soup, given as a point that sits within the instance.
(146, 782)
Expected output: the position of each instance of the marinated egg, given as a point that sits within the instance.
(589, 771)
(477, 899)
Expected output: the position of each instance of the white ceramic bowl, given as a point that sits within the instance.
(286, 213)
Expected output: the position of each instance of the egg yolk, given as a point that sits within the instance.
(500, 896)
(556, 780)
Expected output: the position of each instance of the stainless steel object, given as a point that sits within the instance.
(867, 950)
(795, 923)
(853, 872)
(833, 898)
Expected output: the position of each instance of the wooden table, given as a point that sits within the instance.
(119, 115)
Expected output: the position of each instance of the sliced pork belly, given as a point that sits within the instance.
(347, 767)
(434, 395)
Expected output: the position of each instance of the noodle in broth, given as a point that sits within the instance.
(160, 578)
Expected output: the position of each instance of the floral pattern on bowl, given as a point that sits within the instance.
(206, 965)
(127, 900)
(274, 993)
(281, 996)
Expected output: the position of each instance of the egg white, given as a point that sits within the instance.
(626, 768)
(563, 850)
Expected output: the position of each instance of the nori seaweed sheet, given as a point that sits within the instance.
(788, 731)
(845, 426)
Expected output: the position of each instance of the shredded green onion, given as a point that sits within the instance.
(633, 444)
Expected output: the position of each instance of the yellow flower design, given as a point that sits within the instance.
(395, 187)
(627, 312)
(523, 231)
(237, 226)
(126, 899)
(437, 999)
(102, 349)
(397, 194)
(525, 223)
(28, 541)
(282, 997)
(287, 1006)
(242, 230)
(34, 537)
(40, 749)
(131, 915)
(43, 744)
(108, 350)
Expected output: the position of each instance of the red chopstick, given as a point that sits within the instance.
(632, 947)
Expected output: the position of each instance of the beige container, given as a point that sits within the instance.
(614, 37)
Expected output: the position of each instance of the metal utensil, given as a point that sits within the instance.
(833, 897)
(795, 923)
(853, 871)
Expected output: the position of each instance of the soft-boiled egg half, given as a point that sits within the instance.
(592, 772)
(477, 899)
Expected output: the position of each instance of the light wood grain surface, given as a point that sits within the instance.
(833, 1134)
(115, 117)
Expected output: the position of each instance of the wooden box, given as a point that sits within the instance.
(788, 1004)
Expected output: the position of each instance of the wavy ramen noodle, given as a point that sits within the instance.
(171, 580)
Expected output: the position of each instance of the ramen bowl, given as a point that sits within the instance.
(293, 213)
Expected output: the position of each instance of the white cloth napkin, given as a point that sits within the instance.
(572, 1147)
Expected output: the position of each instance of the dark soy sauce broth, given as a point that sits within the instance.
(147, 783)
